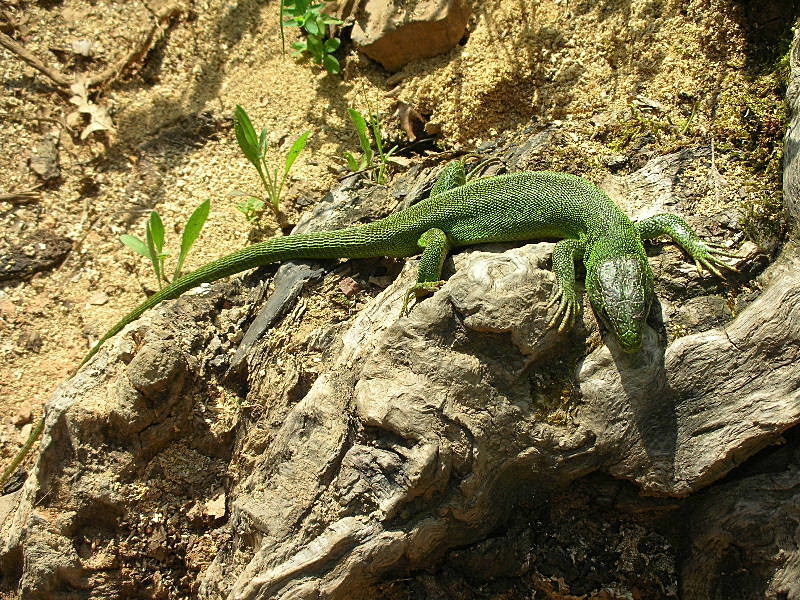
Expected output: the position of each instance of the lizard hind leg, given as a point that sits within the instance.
(435, 246)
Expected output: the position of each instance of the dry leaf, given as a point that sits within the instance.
(646, 104)
(99, 119)
(411, 121)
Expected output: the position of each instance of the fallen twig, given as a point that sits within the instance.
(109, 75)
(16, 198)
(59, 122)
(106, 76)
(26, 55)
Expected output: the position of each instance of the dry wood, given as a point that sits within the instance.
(27, 56)
(27, 197)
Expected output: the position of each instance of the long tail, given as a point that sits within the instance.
(355, 242)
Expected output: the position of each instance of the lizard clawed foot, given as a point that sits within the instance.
(568, 307)
(708, 256)
(417, 291)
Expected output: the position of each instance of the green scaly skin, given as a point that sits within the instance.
(506, 208)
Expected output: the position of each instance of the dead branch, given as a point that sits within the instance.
(24, 54)
(109, 75)
(17, 198)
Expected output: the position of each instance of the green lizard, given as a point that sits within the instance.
(505, 208)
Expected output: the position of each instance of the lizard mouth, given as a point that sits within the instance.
(630, 341)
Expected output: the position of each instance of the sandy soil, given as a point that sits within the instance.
(583, 64)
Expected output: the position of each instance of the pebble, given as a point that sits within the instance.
(29, 339)
(349, 287)
(7, 309)
(97, 298)
(23, 417)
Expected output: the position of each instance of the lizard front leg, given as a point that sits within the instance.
(435, 246)
(565, 254)
(705, 254)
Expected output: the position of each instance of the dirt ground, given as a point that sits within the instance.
(613, 75)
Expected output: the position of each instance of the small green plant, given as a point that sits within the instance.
(318, 44)
(153, 246)
(376, 160)
(273, 178)
(251, 208)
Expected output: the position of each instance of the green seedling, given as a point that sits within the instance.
(152, 247)
(319, 43)
(273, 178)
(251, 208)
(377, 160)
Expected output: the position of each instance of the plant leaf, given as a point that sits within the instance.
(135, 244)
(251, 208)
(262, 143)
(191, 232)
(331, 64)
(352, 163)
(332, 45)
(99, 119)
(254, 204)
(157, 230)
(296, 149)
(154, 258)
(312, 27)
(246, 135)
(315, 47)
(361, 129)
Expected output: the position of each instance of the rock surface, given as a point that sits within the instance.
(409, 442)
(394, 33)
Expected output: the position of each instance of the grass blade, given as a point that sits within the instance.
(191, 232)
(352, 163)
(274, 189)
(281, 14)
(262, 143)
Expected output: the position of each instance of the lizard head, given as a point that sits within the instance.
(620, 289)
